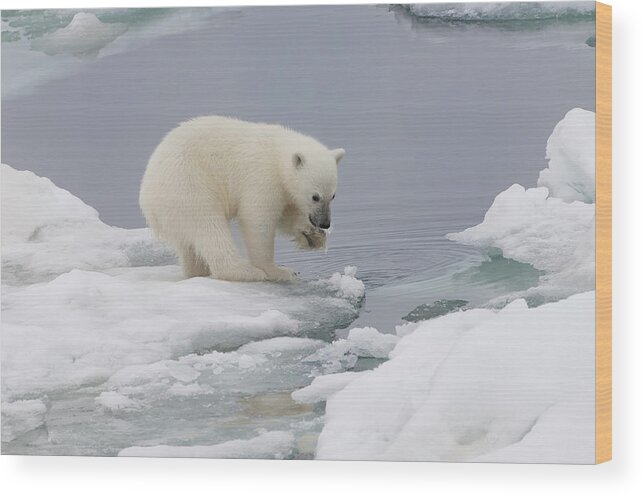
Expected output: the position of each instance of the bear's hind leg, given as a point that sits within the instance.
(215, 245)
(193, 265)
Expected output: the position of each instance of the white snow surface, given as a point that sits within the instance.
(551, 227)
(84, 303)
(474, 385)
(571, 150)
(342, 354)
(275, 444)
(369, 342)
(325, 386)
(47, 231)
(347, 283)
(531, 226)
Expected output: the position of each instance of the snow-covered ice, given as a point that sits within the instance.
(552, 226)
(464, 385)
(343, 354)
(571, 174)
(370, 343)
(101, 314)
(47, 231)
(325, 386)
(531, 226)
(86, 305)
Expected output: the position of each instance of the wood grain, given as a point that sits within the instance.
(603, 232)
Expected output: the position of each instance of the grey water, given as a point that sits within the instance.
(437, 118)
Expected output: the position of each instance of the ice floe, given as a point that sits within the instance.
(85, 304)
(571, 151)
(47, 231)
(468, 385)
(551, 227)
(343, 354)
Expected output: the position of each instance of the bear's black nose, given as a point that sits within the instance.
(321, 223)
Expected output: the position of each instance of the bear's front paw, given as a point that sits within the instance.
(280, 274)
(311, 239)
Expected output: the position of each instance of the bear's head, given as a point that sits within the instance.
(312, 187)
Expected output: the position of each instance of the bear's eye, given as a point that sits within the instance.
(333, 196)
(315, 197)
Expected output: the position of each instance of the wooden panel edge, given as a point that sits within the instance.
(603, 232)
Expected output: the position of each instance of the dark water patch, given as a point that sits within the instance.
(435, 309)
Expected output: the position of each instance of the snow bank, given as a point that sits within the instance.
(571, 150)
(369, 342)
(473, 385)
(551, 227)
(84, 302)
(46, 231)
(530, 226)
(276, 444)
(502, 11)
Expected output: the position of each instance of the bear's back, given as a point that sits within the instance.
(222, 131)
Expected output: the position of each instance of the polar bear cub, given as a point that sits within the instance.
(213, 169)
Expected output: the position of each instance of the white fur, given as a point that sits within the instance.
(210, 170)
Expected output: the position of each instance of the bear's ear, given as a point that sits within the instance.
(338, 153)
(298, 160)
